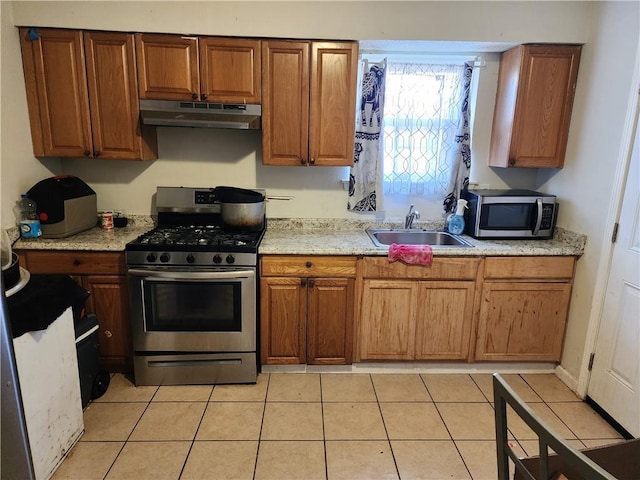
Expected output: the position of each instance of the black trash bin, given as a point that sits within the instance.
(93, 381)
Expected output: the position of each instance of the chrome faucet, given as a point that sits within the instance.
(411, 216)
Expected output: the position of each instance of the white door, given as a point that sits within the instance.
(615, 377)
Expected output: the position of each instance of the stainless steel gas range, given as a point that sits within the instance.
(193, 289)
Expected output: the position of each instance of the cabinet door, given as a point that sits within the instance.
(285, 103)
(536, 88)
(230, 70)
(109, 300)
(56, 85)
(167, 67)
(522, 321)
(283, 313)
(545, 101)
(443, 325)
(113, 96)
(388, 320)
(334, 70)
(330, 321)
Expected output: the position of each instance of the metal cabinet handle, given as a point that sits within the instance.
(303, 282)
(204, 96)
(312, 161)
(87, 153)
(303, 161)
(308, 264)
(311, 283)
(108, 334)
(96, 154)
(194, 96)
(76, 262)
(512, 161)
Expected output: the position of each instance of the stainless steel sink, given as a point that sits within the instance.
(382, 237)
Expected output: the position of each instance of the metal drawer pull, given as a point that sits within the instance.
(190, 363)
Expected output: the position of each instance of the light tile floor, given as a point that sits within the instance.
(318, 426)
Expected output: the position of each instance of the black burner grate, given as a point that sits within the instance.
(198, 236)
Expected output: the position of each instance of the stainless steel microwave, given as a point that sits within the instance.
(509, 214)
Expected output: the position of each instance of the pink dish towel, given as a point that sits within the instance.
(414, 254)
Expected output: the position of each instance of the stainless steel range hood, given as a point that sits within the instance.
(238, 116)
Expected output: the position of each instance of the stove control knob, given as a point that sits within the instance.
(191, 258)
(164, 258)
(230, 259)
(151, 257)
(217, 259)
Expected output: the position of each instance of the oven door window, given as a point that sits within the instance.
(508, 216)
(175, 306)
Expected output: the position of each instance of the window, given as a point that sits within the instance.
(421, 117)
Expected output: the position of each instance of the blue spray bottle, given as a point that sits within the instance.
(456, 224)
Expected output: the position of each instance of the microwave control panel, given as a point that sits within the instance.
(547, 216)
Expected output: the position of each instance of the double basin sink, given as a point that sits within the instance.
(382, 237)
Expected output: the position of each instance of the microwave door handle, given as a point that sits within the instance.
(536, 228)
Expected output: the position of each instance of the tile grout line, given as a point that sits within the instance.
(131, 432)
(513, 433)
(324, 434)
(435, 404)
(384, 424)
(264, 409)
(195, 434)
(544, 400)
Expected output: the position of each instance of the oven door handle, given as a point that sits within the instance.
(193, 276)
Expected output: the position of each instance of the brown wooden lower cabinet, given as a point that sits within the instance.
(109, 300)
(524, 305)
(416, 320)
(388, 319)
(283, 321)
(522, 321)
(416, 312)
(330, 321)
(444, 319)
(307, 319)
(103, 274)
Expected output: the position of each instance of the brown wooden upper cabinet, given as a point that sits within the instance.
(208, 69)
(536, 87)
(308, 104)
(82, 95)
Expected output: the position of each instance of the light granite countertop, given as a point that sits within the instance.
(348, 237)
(95, 239)
(320, 237)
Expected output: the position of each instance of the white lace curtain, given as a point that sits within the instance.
(423, 147)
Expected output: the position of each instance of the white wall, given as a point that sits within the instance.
(208, 157)
(609, 31)
(601, 104)
(18, 168)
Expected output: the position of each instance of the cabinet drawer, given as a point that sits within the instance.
(308, 266)
(454, 268)
(75, 263)
(529, 267)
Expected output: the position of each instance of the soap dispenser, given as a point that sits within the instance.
(456, 224)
